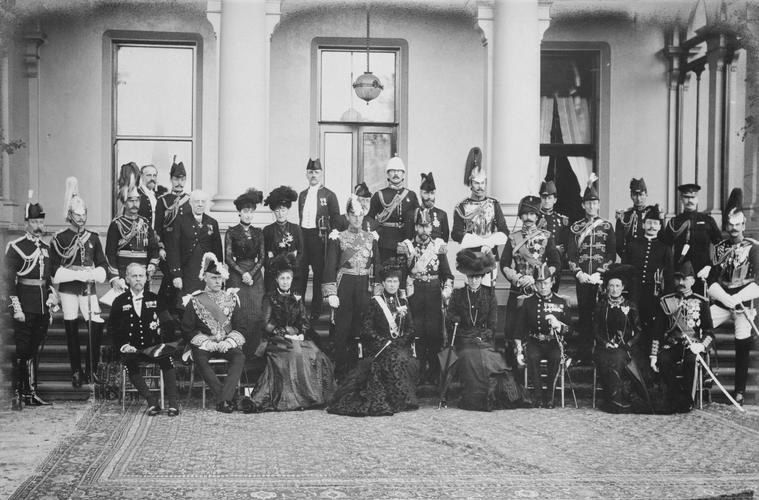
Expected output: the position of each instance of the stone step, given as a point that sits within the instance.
(63, 391)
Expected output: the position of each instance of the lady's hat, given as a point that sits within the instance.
(391, 268)
(283, 263)
(283, 196)
(623, 272)
(211, 265)
(250, 198)
(472, 263)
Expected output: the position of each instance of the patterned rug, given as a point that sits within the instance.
(429, 453)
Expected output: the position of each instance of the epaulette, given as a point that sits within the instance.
(752, 240)
(8, 246)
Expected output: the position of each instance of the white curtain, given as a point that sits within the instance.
(574, 120)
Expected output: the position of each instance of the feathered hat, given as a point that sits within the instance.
(129, 179)
(391, 268)
(210, 264)
(33, 210)
(542, 272)
(250, 198)
(72, 202)
(177, 169)
(422, 217)
(472, 263)
(624, 272)
(362, 190)
(473, 167)
(733, 207)
(428, 182)
(283, 263)
(354, 206)
(283, 196)
(590, 191)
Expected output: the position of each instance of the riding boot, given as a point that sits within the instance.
(75, 353)
(97, 337)
(17, 403)
(33, 399)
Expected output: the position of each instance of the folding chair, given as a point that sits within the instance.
(153, 378)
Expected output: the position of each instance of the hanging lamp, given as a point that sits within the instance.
(367, 86)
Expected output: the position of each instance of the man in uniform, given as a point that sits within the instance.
(734, 284)
(540, 321)
(525, 251)
(318, 210)
(691, 233)
(194, 234)
(389, 207)
(27, 263)
(652, 260)
(368, 223)
(429, 283)
(350, 257)
(211, 324)
(78, 262)
(630, 222)
(148, 196)
(684, 330)
(438, 217)
(591, 250)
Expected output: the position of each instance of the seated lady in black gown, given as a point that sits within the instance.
(385, 382)
(297, 374)
(488, 383)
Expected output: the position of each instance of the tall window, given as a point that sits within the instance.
(154, 106)
(356, 139)
(569, 98)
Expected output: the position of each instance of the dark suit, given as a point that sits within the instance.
(186, 245)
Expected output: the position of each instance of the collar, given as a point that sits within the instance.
(315, 188)
(615, 302)
(397, 188)
(137, 297)
(34, 239)
(649, 238)
(286, 294)
(422, 243)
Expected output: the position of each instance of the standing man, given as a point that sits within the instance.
(438, 217)
(27, 264)
(429, 283)
(591, 251)
(734, 284)
(78, 262)
(368, 223)
(350, 257)
(389, 207)
(193, 235)
(135, 328)
(210, 324)
(630, 222)
(148, 198)
(555, 223)
(318, 210)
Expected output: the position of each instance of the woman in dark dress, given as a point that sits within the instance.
(297, 374)
(384, 382)
(488, 383)
(618, 354)
(281, 236)
(244, 254)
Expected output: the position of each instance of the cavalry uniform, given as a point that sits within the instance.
(130, 240)
(389, 207)
(479, 217)
(186, 244)
(558, 225)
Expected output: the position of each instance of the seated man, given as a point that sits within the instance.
(209, 325)
(134, 325)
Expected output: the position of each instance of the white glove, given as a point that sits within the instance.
(177, 282)
(162, 254)
(19, 316)
(653, 364)
(446, 292)
(697, 347)
(704, 272)
(595, 278)
(247, 278)
(333, 301)
(222, 346)
(520, 359)
(151, 269)
(555, 323)
(128, 349)
(583, 278)
(118, 284)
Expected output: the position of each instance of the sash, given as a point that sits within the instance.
(420, 266)
(68, 254)
(388, 208)
(389, 316)
(476, 212)
(205, 301)
(30, 261)
(136, 227)
(173, 210)
(588, 229)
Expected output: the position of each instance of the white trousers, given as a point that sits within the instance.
(72, 304)
(742, 325)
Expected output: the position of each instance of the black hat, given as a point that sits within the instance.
(283, 196)
(529, 204)
(542, 272)
(638, 185)
(623, 272)
(428, 182)
(733, 206)
(590, 194)
(391, 268)
(472, 263)
(177, 169)
(362, 190)
(653, 212)
(684, 270)
(314, 164)
(283, 263)
(473, 166)
(547, 187)
(34, 211)
(688, 188)
(422, 217)
(251, 197)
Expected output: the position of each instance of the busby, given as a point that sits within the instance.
(283, 196)
(72, 201)
(362, 190)
(391, 268)
(542, 272)
(590, 191)
(210, 264)
(529, 204)
(547, 188)
(177, 169)
(653, 212)
(684, 270)
(473, 167)
(733, 207)
(638, 185)
(283, 263)
(314, 164)
(428, 182)
(473, 263)
(33, 210)
(395, 163)
(129, 179)
(422, 217)
(624, 272)
(688, 188)
(250, 198)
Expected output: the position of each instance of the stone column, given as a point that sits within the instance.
(711, 199)
(33, 40)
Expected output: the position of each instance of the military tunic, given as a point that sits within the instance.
(558, 225)
(76, 250)
(389, 207)
(629, 226)
(168, 207)
(189, 240)
(130, 240)
(480, 217)
(690, 235)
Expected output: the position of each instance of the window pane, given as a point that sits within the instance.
(338, 164)
(160, 154)
(339, 69)
(377, 150)
(154, 91)
(568, 93)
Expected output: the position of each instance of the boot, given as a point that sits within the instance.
(17, 402)
(33, 399)
(90, 372)
(75, 354)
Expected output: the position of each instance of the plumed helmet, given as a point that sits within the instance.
(211, 265)
(129, 179)
(473, 166)
(354, 206)
(542, 272)
(733, 207)
(177, 169)
(33, 210)
(283, 196)
(422, 217)
(72, 201)
(653, 212)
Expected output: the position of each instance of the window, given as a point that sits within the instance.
(354, 136)
(569, 102)
(154, 106)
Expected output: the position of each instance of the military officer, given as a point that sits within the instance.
(429, 283)
(318, 211)
(368, 223)
(281, 236)
(555, 223)
(540, 324)
(351, 254)
(439, 218)
(733, 285)
(630, 222)
(194, 234)
(148, 194)
(78, 262)
(591, 250)
(389, 207)
(27, 263)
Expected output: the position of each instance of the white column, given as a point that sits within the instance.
(34, 41)
(716, 53)
(515, 162)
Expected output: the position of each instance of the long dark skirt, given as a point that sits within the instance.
(380, 386)
(297, 376)
(623, 392)
(488, 382)
(251, 306)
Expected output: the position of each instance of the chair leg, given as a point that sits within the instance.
(160, 382)
(561, 368)
(123, 387)
(192, 382)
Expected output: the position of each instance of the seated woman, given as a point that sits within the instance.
(297, 374)
(488, 383)
(385, 382)
(618, 355)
